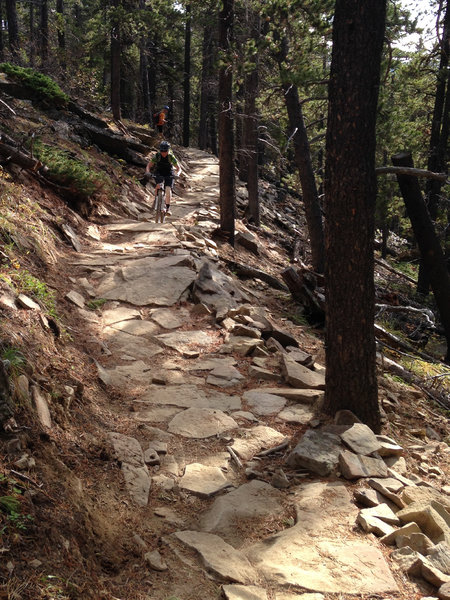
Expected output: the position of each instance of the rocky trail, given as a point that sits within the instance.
(231, 483)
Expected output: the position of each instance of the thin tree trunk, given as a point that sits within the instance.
(438, 140)
(303, 161)
(2, 47)
(251, 130)
(61, 34)
(13, 28)
(350, 192)
(226, 126)
(43, 41)
(207, 58)
(115, 65)
(187, 79)
(32, 36)
(429, 246)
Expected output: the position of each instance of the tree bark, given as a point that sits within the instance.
(13, 28)
(115, 64)
(43, 40)
(250, 136)
(303, 161)
(2, 47)
(350, 192)
(226, 126)
(427, 240)
(438, 139)
(208, 98)
(187, 79)
(61, 34)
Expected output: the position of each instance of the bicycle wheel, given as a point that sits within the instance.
(160, 212)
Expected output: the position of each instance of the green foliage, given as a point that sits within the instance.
(70, 172)
(16, 359)
(24, 282)
(10, 506)
(43, 86)
(97, 303)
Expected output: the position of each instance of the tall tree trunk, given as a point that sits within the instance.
(187, 79)
(32, 36)
(350, 191)
(116, 48)
(206, 84)
(303, 161)
(251, 129)
(2, 47)
(13, 28)
(43, 40)
(226, 125)
(61, 34)
(429, 246)
(145, 101)
(438, 140)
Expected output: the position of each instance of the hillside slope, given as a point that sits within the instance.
(143, 363)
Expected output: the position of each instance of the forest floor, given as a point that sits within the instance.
(129, 396)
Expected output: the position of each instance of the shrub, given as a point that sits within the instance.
(41, 85)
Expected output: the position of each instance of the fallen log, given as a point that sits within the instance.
(302, 286)
(426, 313)
(251, 273)
(14, 155)
(383, 264)
(400, 344)
(400, 170)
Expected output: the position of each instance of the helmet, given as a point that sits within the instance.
(164, 146)
(166, 107)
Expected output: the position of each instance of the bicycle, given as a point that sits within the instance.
(160, 202)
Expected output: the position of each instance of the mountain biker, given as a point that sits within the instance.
(162, 164)
(161, 118)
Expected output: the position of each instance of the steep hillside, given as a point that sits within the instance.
(150, 368)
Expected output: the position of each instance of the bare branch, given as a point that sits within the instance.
(413, 172)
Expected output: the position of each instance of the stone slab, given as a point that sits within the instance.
(190, 396)
(297, 414)
(203, 480)
(244, 592)
(200, 423)
(218, 557)
(255, 439)
(261, 403)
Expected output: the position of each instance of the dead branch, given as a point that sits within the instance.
(252, 273)
(424, 312)
(400, 344)
(7, 106)
(235, 457)
(383, 264)
(11, 154)
(442, 398)
(412, 171)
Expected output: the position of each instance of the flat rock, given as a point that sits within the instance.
(424, 494)
(361, 439)
(225, 376)
(75, 298)
(252, 500)
(244, 592)
(432, 518)
(137, 327)
(255, 439)
(218, 557)
(317, 452)
(374, 525)
(120, 313)
(208, 364)
(185, 340)
(170, 319)
(299, 376)
(382, 512)
(40, 401)
(304, 396)
(354, 466)
(262, 403)
(202, 480)
(241, 345)
(190, 396)
(158, 414)
(150, 283)
(315, 555)
(124, 375)
(201, 423)
(26, 302)
(297, 414)
(406, 530)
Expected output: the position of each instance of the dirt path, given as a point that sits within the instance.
(199, 388)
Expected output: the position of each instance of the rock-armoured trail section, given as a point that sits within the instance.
(213, 391)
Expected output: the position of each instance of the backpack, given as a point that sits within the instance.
(155, 118)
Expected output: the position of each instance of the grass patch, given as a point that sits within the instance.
(15, 358)
(11, 516)
(70, 172)
(97, 303)
(24, 282)
(44, 87)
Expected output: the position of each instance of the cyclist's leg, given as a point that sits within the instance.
(169, 186)
(158, 180)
